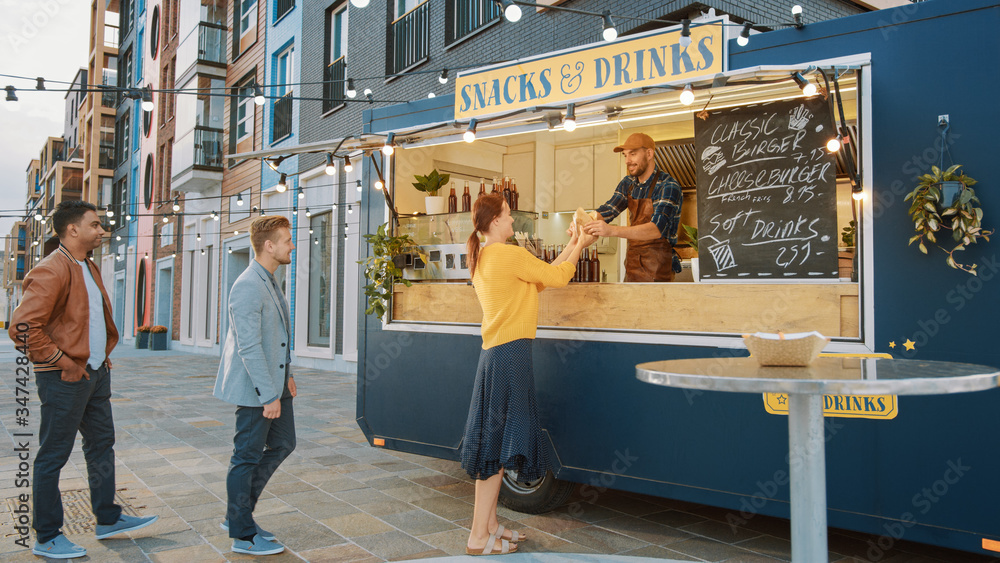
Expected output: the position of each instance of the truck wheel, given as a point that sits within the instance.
(533, 497)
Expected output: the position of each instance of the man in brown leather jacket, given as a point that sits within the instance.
(64, 320)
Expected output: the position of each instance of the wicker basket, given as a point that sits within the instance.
(785, 349)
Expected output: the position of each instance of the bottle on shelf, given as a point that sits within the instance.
(595, 267)
(496, 187)
(508, 196)
(452, 200)
(514, 195)
(466, 198)
(482, 187)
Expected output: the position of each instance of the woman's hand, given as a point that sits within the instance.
(571, 231)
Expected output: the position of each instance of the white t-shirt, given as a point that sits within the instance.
(98, 331)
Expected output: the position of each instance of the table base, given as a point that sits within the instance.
(807, 471)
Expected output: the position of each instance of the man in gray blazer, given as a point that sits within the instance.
(254, 375)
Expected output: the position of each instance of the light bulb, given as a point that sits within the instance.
(351, 92)
(687, 96)
(569, 122)
(359, 3)
(348, 167)
(744, 37)
(685, 33)
(833, 145)
(796, 10)
(379, 185)
(331, 168)
(809, 89)
(359, 186)
(511, 11)
(470, 134)
(609, 33)
(443, 77)
(858, 195)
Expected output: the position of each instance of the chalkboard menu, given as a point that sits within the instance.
(767, 197)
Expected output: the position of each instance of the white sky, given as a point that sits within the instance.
(47, 38)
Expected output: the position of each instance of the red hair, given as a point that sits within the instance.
(484, 211)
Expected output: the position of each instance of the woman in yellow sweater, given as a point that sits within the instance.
(502, 429)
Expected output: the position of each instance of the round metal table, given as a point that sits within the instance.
(805, 387)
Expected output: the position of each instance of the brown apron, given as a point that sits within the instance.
(647, 260)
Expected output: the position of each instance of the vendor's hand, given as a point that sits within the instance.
(273, 409)
(598, 228)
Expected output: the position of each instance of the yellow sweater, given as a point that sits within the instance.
(507, 281)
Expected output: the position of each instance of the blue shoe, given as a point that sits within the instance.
(125, 523)
(259, 546)
(261, 531)
(59, 548)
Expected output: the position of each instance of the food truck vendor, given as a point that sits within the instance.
(653, 200)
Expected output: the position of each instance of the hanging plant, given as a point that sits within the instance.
(931, 214)
(383, 267)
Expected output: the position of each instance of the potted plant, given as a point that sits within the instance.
(430, 184)
(692, 235)
(932, 210)
(845, 258)
(142, 337)
(158, 337)
(384, 267)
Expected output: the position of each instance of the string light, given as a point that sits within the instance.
(390, 144)
(857, 194)
(431, 95)
(308, 213)
(39, 83)
(368, 95)
(348, 167)
(569, 122)
(118, 238)
(302, 194)
(359, 3)
(350, 209)
(166, 219)
(12, 97)
(128, 216)
(38, 215)
(808, 88)
(744, 37)
(609, 33)
(379, 184)
(687, 95)
(147, 98)
(834, 144)
(470, 134)
(797, 16)
(282, 184)
(110, 212)
(511, 11)
(443, 77)
(177, 203)
(685, 33)
(351, 92)
(331, 169)
(239, 199)
(359, 185)
(258, 95)
(215, 216)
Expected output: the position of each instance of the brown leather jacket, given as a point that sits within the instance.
(56, 309)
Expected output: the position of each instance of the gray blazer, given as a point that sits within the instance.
(255, 352)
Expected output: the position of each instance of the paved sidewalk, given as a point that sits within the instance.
(336, 499)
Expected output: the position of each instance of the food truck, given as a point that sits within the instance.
(792, 235)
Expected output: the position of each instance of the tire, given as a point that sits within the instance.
(534, 497)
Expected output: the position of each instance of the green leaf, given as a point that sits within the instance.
(931, 237)
(923, 248)
(913, 239)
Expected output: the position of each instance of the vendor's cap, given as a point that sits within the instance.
(637, 141)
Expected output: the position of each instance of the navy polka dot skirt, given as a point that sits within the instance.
(502, 429)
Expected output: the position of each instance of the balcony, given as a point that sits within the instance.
(106, 158)
(465, 17)
(208, 147)
(410, 33)
(282, 117)
(196, 165)
(111, 36)
(333, 84)
(211, 44)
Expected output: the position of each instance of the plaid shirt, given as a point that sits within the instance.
(666, 196)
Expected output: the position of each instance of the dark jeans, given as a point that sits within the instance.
(67, 407)
(260, 445)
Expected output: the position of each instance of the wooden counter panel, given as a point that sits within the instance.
(831, 309)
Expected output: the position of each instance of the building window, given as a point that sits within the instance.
(334, 86)
(140, 37)
(465, 17)
(319, 280)
(106, 158)
(284, 72)
(154, 33)
(147, 182)
(209, 311)
(282, 7)
(409, 34)
(122, 137)
(246, 26)
(140, 294)
(245, 113)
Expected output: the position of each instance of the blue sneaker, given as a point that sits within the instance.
(259, 546)
(59, 548)
(124, 524)
(260, 531)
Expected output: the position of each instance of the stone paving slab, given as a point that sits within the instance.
(338, 500)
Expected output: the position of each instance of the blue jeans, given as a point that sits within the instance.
(259, 447)
(84, 405)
